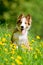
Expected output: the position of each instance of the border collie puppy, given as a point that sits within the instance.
(20, 34)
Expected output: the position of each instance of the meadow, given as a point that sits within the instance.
(9, 12)
(10, 55)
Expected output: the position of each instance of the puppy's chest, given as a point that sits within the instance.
(20, 38)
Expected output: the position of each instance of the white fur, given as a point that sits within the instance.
(23, 22)
(20, 38)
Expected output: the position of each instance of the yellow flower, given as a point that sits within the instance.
(8, 35)
(31, 48)
(11, 45)
(15, 46)
(12, 52)
(12, 57)
(13, 49)
(38, 37)
(4, 40)
(23, 46)
(18, 62)
(19, 57)
(12, 64)
(33, 40)
(1, 43)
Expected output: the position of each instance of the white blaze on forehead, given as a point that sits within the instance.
(23, 19)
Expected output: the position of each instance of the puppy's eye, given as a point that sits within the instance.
(19, 22)
(28, 23)
(25, 23)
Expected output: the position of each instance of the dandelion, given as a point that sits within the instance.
(15, 46)
(13, 49)
(12, 52)
(23, 46)
(12, 64)
(33, 40)
(18, 62)
(1, 43)
(38, 37)
(11, 45)
(19, 57)
(8, 35)
(31, 48)
(4, 40)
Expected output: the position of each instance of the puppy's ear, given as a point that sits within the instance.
(28, 17)
(19, 17)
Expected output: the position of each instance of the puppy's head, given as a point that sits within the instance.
(24, 22)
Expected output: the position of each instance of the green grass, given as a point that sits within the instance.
(9, 55)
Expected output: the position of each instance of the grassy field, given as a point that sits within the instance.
(10, 55)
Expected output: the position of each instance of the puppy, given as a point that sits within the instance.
(20, 34)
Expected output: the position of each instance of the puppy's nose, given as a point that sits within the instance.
(22, 27)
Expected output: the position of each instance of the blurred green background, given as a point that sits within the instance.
(11, 9)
